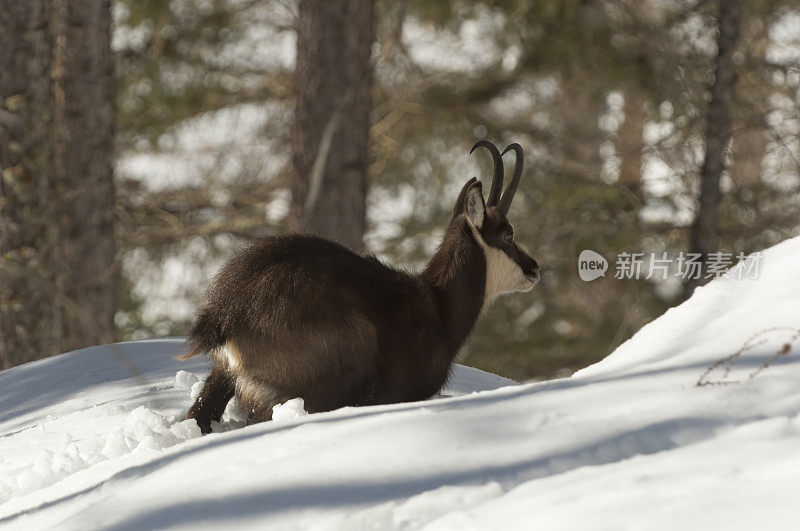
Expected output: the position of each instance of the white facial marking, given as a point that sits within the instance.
(503, 275)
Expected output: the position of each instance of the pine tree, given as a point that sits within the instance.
(332, 84)
(57, 269)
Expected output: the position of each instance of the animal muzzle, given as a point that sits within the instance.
(530, 267)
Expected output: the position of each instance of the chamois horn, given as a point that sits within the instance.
(508, 195)
(497, 178)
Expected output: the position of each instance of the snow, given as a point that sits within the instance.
(292, 409)
(694, 422)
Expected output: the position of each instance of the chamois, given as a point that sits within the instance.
(301, 316)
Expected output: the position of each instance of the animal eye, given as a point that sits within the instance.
(509, 237)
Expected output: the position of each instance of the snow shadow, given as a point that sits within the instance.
(275, 500)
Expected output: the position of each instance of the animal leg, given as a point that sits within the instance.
(257, 397)
(210, 405)
(261, 413)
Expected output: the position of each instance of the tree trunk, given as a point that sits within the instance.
(718, 133)
(26, 307)
(749, 125)
(83, 112)
(57, 281)
(631, 145)
(749, 148)
(332, 119)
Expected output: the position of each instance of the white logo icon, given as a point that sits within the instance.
(591, 265)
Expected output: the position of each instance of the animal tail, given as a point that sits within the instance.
(204, 336)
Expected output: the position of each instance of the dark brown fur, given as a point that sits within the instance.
(301, 316)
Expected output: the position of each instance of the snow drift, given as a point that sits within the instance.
(693, 422)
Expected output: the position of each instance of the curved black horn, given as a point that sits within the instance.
(508, 195)
(497, 178)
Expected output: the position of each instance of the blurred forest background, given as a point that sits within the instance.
(142, 141)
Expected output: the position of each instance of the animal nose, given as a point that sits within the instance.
(532, 270)
(531, 266)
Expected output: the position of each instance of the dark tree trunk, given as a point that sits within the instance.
(332, 118)
(57, 281)
(83, 120)
(718, 132)
(26, 306)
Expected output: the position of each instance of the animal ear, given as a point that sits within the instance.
(474, 206)
(462, 197)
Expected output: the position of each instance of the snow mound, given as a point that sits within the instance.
(693, 423)
(757, 316)
(289, 410)
(61, 451)
(186, 380)
(99, 410)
